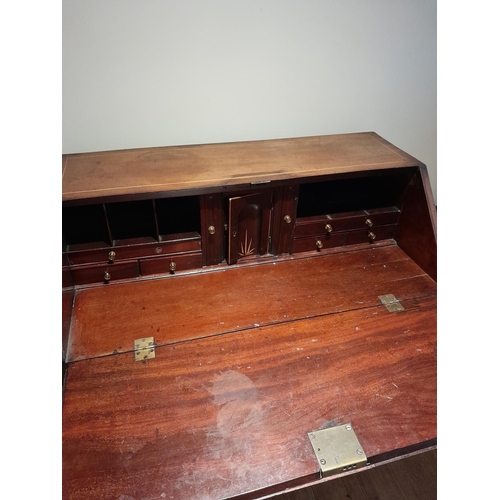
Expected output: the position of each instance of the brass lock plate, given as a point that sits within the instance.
(391, 302)
(337, 449)
(144, 348)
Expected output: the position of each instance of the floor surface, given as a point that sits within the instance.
(413, 478)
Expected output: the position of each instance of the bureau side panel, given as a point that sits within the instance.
(416, 230)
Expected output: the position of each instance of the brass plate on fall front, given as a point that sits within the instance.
(144, 348)
(337, 449)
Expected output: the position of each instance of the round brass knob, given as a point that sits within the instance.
(371, 235)
(319, 244)
(111, 256)
(107, 276)
(211, 229)
(369, 222)
(328, 228)
(288, 219)
(173, 266)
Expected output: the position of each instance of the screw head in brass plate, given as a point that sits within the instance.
(144, 349)
(107, 276)
(173, 266)
(319, 244)
(372, 236)
(369, 222)
(211, 229)
(328, 228)
(287, 219)
(111, 256)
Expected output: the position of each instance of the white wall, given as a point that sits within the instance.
(140, 73)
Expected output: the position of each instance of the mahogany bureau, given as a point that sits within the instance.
(242, 319)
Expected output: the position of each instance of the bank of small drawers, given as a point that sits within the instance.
(97, 263)
(350, 228)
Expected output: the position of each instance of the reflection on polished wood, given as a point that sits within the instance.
(176, 168)
(179, 308)
(241, 404)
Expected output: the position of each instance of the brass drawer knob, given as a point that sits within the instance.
(288, 219)
(369, 222)
(372, 236)
(172, 267)
(328, 228)
(107, 276)
(111, 256)
(211, 229)
(319, 244)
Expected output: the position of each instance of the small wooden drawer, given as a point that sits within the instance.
(363, 236)
(88, 253)
(348, 221)
(383, 216)
(171, 264)
(309, 226)
(104, 273)
(318, 242)
(137, 248)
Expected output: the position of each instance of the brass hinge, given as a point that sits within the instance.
(337, 449)
(391, 303)
(144, 348)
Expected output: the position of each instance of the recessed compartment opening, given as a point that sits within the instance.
(350, 209)
(370, 191)
(132, 221)
(85, 225)
(177, 215)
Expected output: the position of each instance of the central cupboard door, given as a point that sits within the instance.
(249, 225)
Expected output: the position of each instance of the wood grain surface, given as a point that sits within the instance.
(417, 227)
(249, 358)
(228, 415)
(199, 168)
(414, 478)
(178, 308)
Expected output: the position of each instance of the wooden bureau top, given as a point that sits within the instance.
(202, 168)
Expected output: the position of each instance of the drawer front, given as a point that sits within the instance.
(363, 236)
(383, 216)
(83, 275)
(188, 242)
(90, 256)
(318, 242)
(310, 226)
(332, 240)
(324, 225)
(179, 262)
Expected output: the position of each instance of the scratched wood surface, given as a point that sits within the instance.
(108, 319)
(201, 167)
(228, 415)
